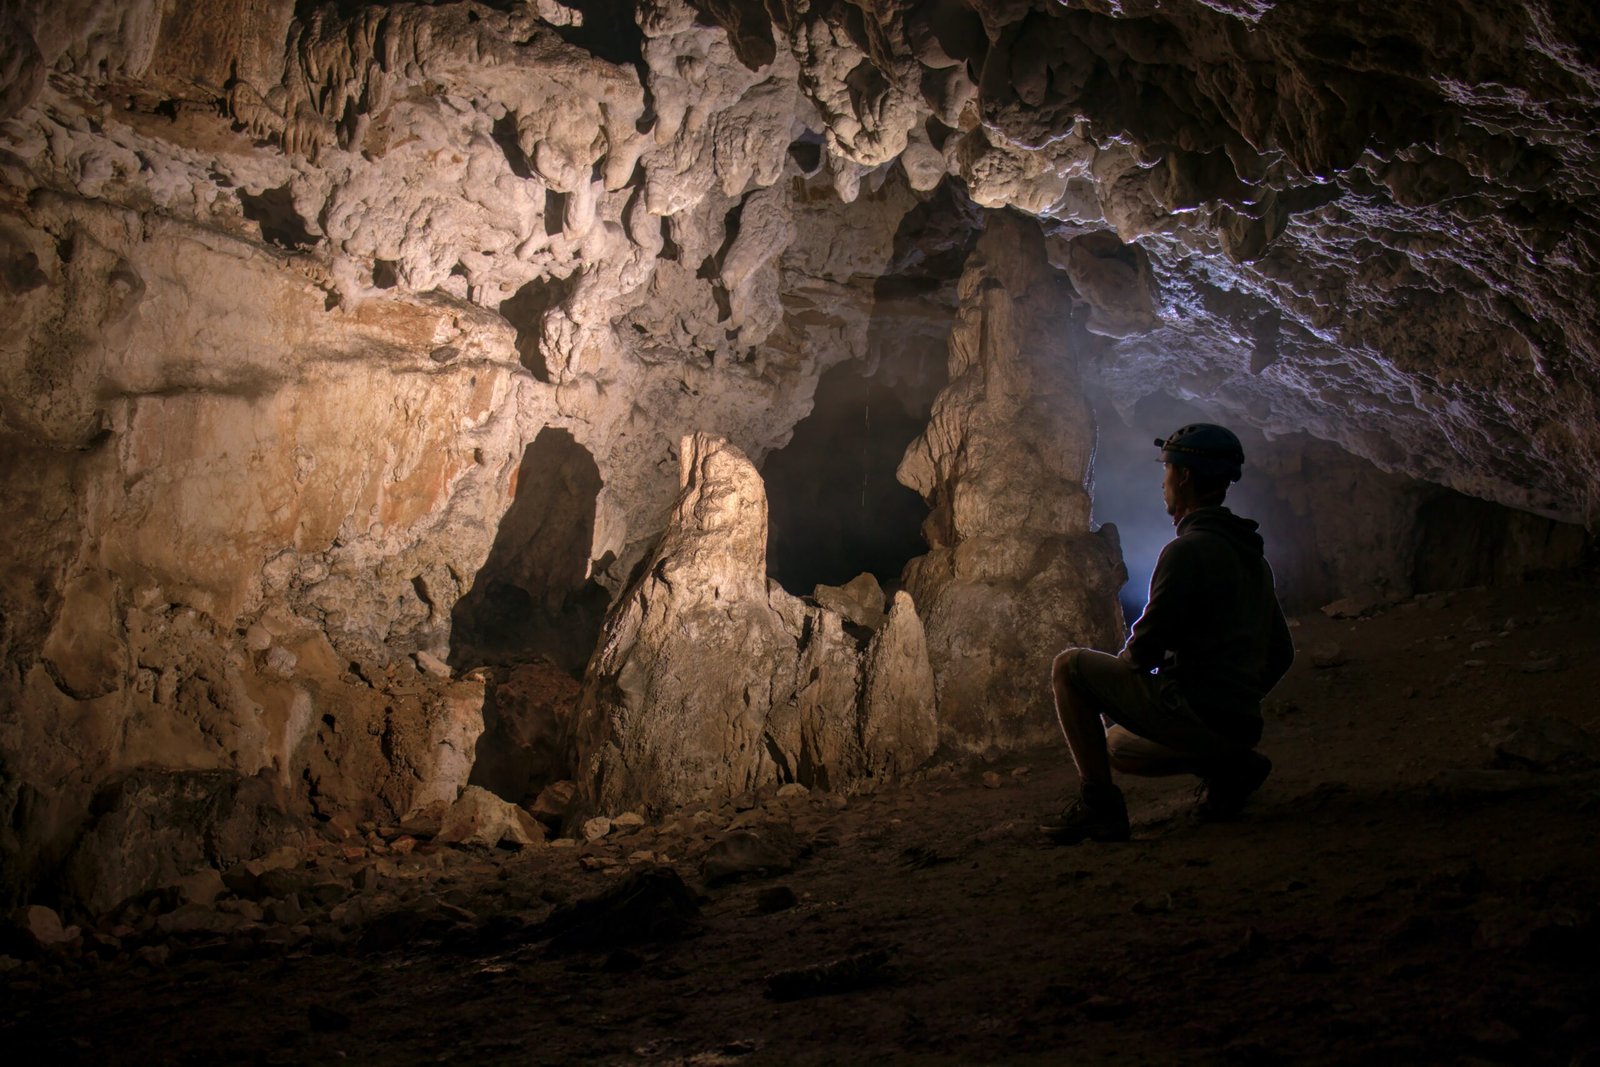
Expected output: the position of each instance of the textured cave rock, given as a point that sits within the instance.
(710, 681)
(348, 342)
(1014, 574)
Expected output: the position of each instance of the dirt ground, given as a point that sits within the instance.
(1396, 893)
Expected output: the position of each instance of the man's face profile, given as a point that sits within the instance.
(1171, 487)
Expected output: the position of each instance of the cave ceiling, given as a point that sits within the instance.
(1371, 221)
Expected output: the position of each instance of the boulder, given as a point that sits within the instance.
(479, 817)
(860, 600)
(37, 928)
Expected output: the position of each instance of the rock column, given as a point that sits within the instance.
(1014, 574)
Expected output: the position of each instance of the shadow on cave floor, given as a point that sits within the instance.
(1390, 897)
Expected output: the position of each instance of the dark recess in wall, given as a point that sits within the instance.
(608, 31)
(533, 600)
(280, 223)
(835, 509)
(1464, 541)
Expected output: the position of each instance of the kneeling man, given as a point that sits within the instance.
(1184, 695)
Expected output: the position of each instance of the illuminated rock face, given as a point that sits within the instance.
(309, 308)
(1013, 574)
(710, 680)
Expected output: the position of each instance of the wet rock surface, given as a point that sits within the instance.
(1357, 911)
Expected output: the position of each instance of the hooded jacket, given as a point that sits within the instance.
(1213, 624)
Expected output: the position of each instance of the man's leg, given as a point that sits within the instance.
(1099, 813)
(1080, 722)
(1227, 778)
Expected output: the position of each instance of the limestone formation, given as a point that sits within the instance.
(710, 681)
(1013, 575)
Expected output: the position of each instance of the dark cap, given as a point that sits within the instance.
(1205, 447)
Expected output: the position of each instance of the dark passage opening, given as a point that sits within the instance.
(280, 223)
(834, 507)
(533, 599)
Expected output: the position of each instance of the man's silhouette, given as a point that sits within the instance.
(1184, 695)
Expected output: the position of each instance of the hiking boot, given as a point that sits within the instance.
(1097, 815)
(1228, 784)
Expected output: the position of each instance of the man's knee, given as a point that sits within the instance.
(1131, 754)
(1063, 670)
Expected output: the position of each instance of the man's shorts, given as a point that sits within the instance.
(1157, 725)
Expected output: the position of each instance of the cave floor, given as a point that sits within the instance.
(1391, 895)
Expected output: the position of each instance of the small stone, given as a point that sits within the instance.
(792, 789)
(478, 817)
(750, 853)
(245, 878)
(286, 912)
(42, 926)
(596, 828)
(152, 955)
(403, 845)
(198, 919)
(281, 881)
(202, 887)
(1542, 665)
(991, 780)
(330, 892)
(563, 842)
(1354, 607)
(1479, 646)
(643, 855)
(257, 638)
(247, 910)
(1546, 743)
(341, 826)
(1327, 654)
(1021, 772)
(425, 821)
(1475, 664)
(628, 820)
(430, 664)
(554, 800)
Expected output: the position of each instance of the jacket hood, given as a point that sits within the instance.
(1239, 532)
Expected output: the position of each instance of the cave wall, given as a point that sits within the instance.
(295, 290)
